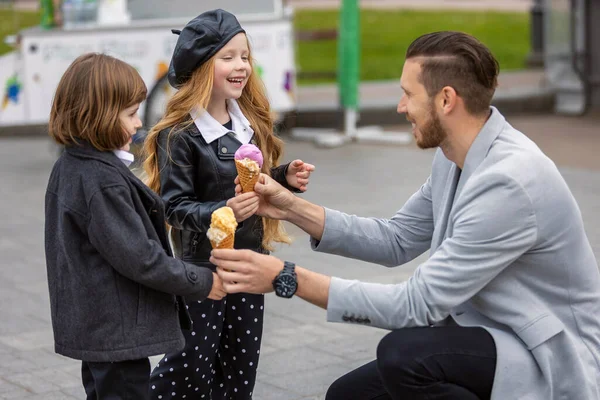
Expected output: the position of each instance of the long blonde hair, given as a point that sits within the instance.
(196, 92)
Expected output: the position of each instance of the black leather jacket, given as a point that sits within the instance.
(196, 178)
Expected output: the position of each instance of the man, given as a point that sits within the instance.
(508, 304)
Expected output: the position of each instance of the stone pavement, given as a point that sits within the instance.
(302, 353)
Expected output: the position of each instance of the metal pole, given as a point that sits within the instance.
(536, 57)
(348, 67)
(349, 63)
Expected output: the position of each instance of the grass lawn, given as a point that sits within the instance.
(386, 34)
(11, 22)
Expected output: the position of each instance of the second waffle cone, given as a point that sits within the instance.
(226, 243)
(248, 178)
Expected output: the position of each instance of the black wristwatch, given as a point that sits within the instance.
(286, 283)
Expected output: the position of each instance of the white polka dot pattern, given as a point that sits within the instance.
(234, 354)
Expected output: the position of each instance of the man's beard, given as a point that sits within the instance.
(433, 133)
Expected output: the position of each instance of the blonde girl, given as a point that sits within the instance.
(220, 105)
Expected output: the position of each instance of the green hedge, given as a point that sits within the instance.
(386, 34)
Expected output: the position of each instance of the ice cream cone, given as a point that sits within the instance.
(248, 171)
(226, 243)
(222, 228)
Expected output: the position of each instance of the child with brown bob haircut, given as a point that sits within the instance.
(115, 289)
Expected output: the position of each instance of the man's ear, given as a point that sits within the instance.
(448, 99)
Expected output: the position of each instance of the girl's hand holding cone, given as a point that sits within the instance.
(243, 205)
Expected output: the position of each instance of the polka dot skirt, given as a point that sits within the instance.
(221, 354)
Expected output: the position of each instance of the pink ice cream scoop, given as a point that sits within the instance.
(249, 151)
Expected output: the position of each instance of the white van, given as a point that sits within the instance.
(29, 75)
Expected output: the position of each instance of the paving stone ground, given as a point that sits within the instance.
(302, 353)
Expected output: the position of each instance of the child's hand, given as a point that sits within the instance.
(298, 173)
(244, 205)
(218, 291)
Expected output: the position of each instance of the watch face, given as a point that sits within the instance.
(286, 285)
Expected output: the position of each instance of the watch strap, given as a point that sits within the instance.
(289, 267)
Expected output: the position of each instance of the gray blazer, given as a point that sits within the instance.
(508, 253)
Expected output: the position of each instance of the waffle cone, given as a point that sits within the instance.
(247, 178)
(226, 243)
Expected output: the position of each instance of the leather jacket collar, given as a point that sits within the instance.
(212, 130)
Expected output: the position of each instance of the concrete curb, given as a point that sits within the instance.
(514, 102)
(20, 131)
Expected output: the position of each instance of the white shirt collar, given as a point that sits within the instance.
(212, 130)
(124, 156)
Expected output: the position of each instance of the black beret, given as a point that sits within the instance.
(199, 40)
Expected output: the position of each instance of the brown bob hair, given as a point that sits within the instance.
(89, 97)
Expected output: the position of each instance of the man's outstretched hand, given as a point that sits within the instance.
(275, 200)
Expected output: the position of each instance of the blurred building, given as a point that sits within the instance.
(572, 53)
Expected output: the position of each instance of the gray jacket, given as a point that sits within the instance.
(508, 253)
(111, 275)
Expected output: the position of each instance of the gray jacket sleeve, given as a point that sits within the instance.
(119, 235)
(389, 242)
(495, 223)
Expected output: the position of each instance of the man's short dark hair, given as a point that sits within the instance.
(460, 61)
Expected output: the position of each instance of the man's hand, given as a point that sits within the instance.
(246, 271)
(218, 291)
(275, 200)
(244, 205)
(298, 174)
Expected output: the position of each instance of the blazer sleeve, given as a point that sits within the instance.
(118, 233)
(279, 173)
(495, 224)
(183, 210)
(389, 242)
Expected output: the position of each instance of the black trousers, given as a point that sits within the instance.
(450, 363)
(125, 380)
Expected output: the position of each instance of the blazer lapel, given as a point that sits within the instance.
(481, 146)
(457, 178)
(447, 201)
